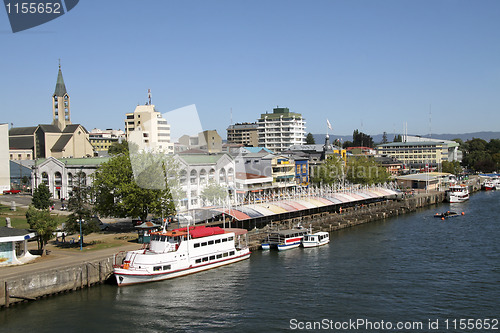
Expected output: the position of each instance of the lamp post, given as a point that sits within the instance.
(81, 235)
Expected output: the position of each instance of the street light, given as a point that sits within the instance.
(81, 235)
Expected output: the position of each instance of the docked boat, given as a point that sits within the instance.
(492, 183)
(181, 252)
(489, 185)
(284, 239)
(316, 239)
(457, 193)
(447, 214)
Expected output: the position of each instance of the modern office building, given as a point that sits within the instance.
(148, 129)
(101, 140)
(416, 152)
(281, 129)
(243, 133)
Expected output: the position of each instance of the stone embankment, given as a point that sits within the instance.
(35, 285)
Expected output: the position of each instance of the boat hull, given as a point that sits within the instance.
(314, 244)
(126, 277)
(457, 199)
(283, 247)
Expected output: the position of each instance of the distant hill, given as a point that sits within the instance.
(320, 138)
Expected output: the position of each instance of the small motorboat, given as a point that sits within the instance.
(447, 214)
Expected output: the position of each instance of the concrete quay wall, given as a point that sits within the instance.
(349, 217)
(32, 286)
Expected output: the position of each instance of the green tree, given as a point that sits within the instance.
(124, 191)
(214, 192)
(79, 205)
(451, 167)
(43, 223)
(398, 138)
(329, 172)
(384, 137)
(366, 171)
(310, 139)
(42, 197)
(118, 148)
(360, 139)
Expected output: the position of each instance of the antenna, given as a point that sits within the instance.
(149, 96)
(430, 121)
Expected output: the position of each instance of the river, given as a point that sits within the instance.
(413, 273)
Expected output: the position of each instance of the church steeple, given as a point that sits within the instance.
(61, 116)
(60, 87)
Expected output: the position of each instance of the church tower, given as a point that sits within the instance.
(60, 104)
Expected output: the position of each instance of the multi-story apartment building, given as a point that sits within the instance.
(148, 129)
(244, 133)
(281, 129)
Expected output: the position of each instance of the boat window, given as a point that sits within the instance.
(198, 261)
(230, 238)
(211, 242)
(224, 239)
(163, 238)
(204, 244)
(231, 253)
(157, 268)
(219, 256)
(166, 267)
(212, 257)
(217, 241)
(205, 259)
(225, 254)
(196, 244)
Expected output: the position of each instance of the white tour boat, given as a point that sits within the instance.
(284, 239)
(316, 239)
(457, 193)
(182, 251)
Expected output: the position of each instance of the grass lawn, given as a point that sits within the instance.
(18, 217)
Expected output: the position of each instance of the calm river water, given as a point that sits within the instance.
(414, 271)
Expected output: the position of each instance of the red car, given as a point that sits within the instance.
(11, 191)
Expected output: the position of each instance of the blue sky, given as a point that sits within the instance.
(367, 65)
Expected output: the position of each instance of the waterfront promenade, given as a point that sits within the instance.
(67, 269)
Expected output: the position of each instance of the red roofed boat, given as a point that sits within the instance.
(182, 251)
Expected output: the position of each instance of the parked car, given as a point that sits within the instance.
(11, 191)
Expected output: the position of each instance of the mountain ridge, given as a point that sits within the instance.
(485, 135)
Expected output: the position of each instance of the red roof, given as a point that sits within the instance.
(198, 231)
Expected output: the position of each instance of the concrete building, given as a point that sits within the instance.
(198, 171)
(61, 175)
(101, 140)
(148, 129)
(243, 133)
(61, 139)
(4, 158)
(420, 152)
(209, 141)
(281, 129)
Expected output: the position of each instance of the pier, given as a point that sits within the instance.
(38, 280)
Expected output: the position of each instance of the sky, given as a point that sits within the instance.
(371, 65)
